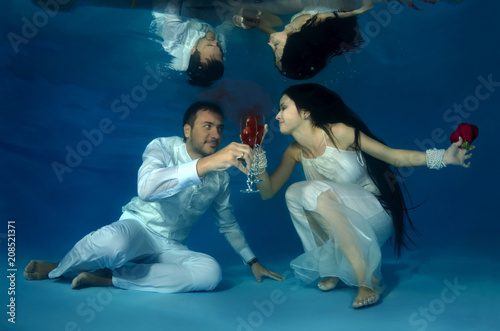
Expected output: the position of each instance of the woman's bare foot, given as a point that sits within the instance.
(37, 270)
(365, 297)
(100, 277)
(328, 283)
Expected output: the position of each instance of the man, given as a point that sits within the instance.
(178, 181)
(206, 63)
(195, 46)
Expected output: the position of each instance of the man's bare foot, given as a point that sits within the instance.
(37, 270)
(101, 277)
(365, 297)
(328, 283)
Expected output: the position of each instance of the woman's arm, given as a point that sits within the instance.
(397, 157)
(268, 22)
(366, 6)
(409, 158)
(272, 184)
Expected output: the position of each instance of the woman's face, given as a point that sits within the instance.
(277, 42)
(289, 117)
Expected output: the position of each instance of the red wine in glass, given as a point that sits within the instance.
(252, 131)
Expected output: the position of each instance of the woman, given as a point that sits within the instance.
(312, 37)
(350, 203)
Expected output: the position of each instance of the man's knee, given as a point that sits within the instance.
(107, 243)
(110, 244)
(208, 275)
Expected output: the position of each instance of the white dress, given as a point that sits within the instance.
(340, 197)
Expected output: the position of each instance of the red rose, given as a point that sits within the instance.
(468, 132)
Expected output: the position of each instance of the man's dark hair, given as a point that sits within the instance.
(204, 74)
(192, 111)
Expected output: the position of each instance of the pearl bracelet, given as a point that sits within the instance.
(260, 162)
(434, 158)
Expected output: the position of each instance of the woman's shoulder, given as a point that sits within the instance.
(293, 152)
(340, 129)
(344, 135)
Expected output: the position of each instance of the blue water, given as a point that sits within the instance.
(418, 75)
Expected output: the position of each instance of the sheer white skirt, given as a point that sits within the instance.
(342, 227)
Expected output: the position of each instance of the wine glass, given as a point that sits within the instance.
(255, 168)
(247, 18)
(252, 130)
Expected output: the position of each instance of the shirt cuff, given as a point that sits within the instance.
(187, 174)
(246, 254)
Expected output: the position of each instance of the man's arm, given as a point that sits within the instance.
(159, 177)
(226, 222)
(233, 155)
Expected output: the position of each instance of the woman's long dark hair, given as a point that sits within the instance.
(308, 51)
(327, 107)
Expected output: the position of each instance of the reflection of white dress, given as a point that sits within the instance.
(359, 222)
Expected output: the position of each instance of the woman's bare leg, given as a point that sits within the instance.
(345, 238)
(320, 237)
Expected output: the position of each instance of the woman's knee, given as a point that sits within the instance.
(293, 190)
(293, 194)
(304, 194)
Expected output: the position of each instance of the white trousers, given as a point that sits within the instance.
(141, 260)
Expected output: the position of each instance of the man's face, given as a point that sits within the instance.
(209, 48)
(205, 136)
(277, 42)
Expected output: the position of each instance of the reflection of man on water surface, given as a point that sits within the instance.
(195, 46)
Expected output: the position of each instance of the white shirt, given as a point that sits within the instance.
(180, 35)
(172, 197)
